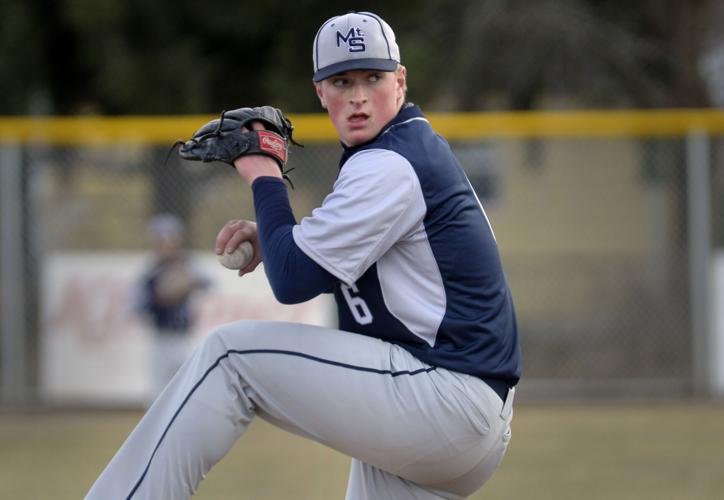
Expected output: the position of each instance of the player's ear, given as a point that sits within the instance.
(401, 79)
(320, 94)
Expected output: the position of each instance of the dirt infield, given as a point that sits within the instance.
(573, 450)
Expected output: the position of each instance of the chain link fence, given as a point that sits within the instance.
(593, 231)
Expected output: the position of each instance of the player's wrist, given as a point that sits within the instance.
(251, 167)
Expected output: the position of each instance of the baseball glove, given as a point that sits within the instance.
(222, 139)
(174, 285)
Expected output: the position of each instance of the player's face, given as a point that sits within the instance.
(361, 102)
(166, 246)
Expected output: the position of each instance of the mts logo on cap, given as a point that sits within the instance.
(355, 40)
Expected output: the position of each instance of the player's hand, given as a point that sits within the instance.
(252, 166)
(234, 233)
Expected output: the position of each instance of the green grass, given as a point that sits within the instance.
(568, 451)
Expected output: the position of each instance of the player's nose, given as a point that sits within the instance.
(357, 95)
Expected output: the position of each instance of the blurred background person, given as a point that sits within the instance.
(164, 298)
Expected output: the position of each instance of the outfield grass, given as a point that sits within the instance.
(565, 451)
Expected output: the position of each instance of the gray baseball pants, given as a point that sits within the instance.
(414, 431)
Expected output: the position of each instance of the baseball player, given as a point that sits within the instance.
(417, 384)
(164, 298)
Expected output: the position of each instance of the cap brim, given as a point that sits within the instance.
(355, 64)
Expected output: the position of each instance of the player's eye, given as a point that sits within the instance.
(374, 77)
(339, 82)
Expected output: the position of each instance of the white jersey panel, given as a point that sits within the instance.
(416, 299)
(370, 208)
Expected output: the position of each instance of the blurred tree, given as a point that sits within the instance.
(140, 57)
(21, 45)
(551, 53)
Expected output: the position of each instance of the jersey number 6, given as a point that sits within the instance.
(357, 306)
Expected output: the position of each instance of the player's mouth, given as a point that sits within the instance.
(358, 119)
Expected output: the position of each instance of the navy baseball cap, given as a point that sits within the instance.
(357, 40)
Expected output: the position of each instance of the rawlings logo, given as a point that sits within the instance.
(355, 40)
(273, 144)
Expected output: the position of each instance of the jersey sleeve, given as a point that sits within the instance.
(376, 201)
(292, 275)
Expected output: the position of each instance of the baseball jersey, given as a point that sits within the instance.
(416, 258)
(175, 317)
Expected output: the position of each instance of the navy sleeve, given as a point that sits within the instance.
(293, 276)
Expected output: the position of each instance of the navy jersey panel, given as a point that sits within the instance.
(369, 321)
(478, 333)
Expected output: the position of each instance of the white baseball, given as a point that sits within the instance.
(239, 258)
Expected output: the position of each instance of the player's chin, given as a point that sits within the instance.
(357, 136)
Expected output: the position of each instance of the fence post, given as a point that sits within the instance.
(13, 328)
(699, 240)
